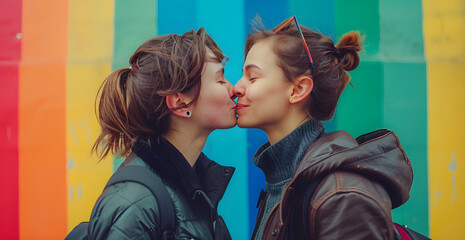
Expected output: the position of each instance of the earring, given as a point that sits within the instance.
(188, 113)
(291, 100)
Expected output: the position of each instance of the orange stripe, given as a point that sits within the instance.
(42, 153)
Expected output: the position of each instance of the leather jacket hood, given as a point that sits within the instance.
(377, 155)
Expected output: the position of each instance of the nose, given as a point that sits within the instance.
(239, 88)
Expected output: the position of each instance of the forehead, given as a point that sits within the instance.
(210, 56)
(209, 53)
(212, 64)
(261, 53)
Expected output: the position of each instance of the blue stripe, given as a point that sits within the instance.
(272, 13)
(176, 16)
(255, 138)
(317, 15)
(223, 20)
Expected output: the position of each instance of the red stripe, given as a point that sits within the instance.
(10, 55)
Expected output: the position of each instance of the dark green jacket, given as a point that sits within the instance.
(130, 211)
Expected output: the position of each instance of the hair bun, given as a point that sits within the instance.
(348, 47)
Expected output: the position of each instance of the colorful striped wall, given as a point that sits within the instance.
(54, 54)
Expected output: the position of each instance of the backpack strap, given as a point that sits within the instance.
(308, 197)
(409, 234)
(308, 191)
(150, 180)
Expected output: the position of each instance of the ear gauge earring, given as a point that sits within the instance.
(188, 113)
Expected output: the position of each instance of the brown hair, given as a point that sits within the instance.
(132, 99)
(330, 62)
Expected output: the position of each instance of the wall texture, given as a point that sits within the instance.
(54, 55)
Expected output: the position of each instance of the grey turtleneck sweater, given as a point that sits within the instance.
(278, 163)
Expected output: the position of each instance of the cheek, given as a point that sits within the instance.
(267, 102)
(218, 107)
(219, 101)
(256, 93)
(265, 95)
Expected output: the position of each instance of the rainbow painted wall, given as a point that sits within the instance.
(54, 54)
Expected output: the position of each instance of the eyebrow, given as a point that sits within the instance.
(251, 66)
(221, 70)
(212, 59)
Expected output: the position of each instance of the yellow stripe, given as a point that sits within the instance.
(89, 62)
(444, 25)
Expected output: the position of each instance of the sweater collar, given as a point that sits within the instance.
(278, 161)
(165, 160)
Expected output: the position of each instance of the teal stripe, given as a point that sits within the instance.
(405, 98)
(405, 113)
(134, 24)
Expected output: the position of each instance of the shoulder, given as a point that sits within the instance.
(124, 210)
(347, 184)
(348, 201)
(127, 193)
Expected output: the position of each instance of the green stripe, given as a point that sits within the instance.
(390, 87)
(405, 99)
(360, 107)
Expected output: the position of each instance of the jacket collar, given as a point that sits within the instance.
(205, 178)
(278, 161)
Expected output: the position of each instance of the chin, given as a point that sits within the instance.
(229, 124)
(232, 123)
(245, 124)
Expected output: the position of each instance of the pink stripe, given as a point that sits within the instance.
(10, 55)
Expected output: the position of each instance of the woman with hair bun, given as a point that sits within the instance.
(158, 113)
(292, 81)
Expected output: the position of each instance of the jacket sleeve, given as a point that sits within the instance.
(351, 215)
(125, 213)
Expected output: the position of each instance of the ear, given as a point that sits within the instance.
(174, 101)
(302, 88)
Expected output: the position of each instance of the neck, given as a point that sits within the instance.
(188, 141)
(278, 131)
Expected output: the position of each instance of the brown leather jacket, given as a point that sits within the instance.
(363, 179)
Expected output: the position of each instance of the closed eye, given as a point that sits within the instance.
(220, 74)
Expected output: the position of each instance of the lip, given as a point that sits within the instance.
(240, 106)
